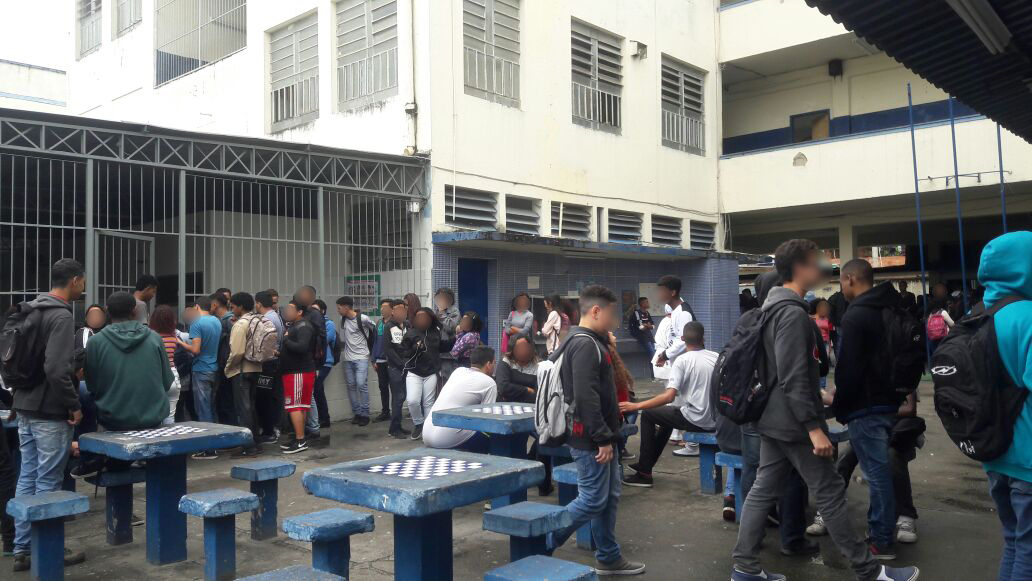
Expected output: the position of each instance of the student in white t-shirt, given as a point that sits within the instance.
(689, 383)
(467, 386)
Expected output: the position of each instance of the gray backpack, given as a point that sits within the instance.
(553, 406)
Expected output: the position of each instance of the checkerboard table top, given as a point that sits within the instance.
(497, 418)
(181, 438)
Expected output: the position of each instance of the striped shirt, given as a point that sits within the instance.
(170, 348)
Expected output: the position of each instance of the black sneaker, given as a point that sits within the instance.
(729, 508)
(882, 552)
(206, 455)
(22, 562)
(73, 557)
(417, 432)
(324, 424)
(383, 417)
(638, 479)
(87, 469)
(136, 520)
(400, 434)
(247, 452)
(804, 548)
(296, 446)
(363, 420)
(270, 438)
(355, 420)
(626, 454)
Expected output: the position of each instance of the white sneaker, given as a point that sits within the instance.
(817, 529)
(906, 530)
(689, 449)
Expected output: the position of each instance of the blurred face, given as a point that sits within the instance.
(400, 313)
(385, 310)
(442, 301)
(421, 321)
(148, 293)
(823, 309)
(466, 324)
(523, 351)
(522, 303)
(605, 318)
(808, 274)
(644, 305)
(664, 295)
(95, 318)
(291, 313)
(189, 315)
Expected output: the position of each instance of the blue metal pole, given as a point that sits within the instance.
(960, 221)
(1003, 189)
(917, 203)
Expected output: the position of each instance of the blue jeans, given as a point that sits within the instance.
(45, 445)
(869, 439)
(203, 383)
(1013, 500)
(356, 374)
(598, 494)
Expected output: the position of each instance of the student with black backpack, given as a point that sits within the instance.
(791, 424)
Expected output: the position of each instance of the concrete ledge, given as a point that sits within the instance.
(331, 524)
(218, 503)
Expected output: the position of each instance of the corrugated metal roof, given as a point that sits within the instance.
(931, 40)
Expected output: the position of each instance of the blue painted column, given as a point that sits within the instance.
(166, 526)
(711, 477)
(566, 494)
(118, 505)
(423, 547)
(220, 548)
(263, 518)
(47, 540)
(333, 556)
(509, 446)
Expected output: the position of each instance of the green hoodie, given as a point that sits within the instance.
(128, 374)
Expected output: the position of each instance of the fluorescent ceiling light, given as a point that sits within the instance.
(984, 22)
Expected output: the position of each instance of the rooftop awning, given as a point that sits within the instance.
(953, 53)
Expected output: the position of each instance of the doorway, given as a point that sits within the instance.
(472, 278)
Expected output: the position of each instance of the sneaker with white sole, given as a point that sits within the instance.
(737, 575)
(296, 446)
(619, 567)
(906, 530)
(898, 574)
(689, 449)
(817, 529)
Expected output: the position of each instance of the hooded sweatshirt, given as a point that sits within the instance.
(792, 365)
(862, 385)
(128, 374)
(1006, 269)
(54, 397)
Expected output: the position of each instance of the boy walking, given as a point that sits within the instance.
(587, 372)
(355, 331)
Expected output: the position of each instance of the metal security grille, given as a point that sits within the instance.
(470, 208)
(522, 216)
(191, 34)
(367, 51)
(666, 230)
(294, 73)
(597, 77)
(491, 49)
(702, 235)
(681, 96)
(89, 26)
(571, 221)
(624, 227)
(127, 14)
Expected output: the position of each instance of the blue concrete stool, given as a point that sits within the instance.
(118, 502)
(526, 523)
(565, 477)
(540, 568)
(330, 532)
(711, 479)
(264, 477)
(219, 508)
(295, 573)
(46, 512)
(734, 462)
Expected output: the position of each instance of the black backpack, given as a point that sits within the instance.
(976, 399)
(21, 358)
(738, 387)
(904, 346)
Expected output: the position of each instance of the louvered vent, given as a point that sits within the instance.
(571, 221)
(470, 208)
(666, 230)
(521, 216)
(624, 227)
(703, 235)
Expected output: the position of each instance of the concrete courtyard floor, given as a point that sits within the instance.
(674, 529)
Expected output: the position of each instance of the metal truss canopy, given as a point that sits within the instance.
(259, 159)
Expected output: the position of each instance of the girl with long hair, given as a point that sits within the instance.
(163, 322)
(421, 350)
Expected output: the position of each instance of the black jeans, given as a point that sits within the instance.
(245, 387)
(269, 402)
(791, 506)
(7, 481)
(319, 395)
(225, 411)
(899, 463)
(383, 381)
(656, 426)
(397, 383)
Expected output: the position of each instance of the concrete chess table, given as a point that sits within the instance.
(509, 425)
(421, 488)
(165, 449)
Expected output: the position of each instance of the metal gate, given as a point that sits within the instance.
(121, 259)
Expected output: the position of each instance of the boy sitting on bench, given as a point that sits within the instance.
(467, 386)
(689, 384)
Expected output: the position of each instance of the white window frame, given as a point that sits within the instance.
(596, 77)
(88, 26)
(682, 96)
(132, 10)
(366, 52)
(196, 26)
(293, 53)
(491, 50)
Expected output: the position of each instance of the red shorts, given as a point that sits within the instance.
(297, 391)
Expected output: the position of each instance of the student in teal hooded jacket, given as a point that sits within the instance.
(1006, 269)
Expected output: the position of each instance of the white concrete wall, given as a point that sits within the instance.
(763, 26)
(31, 87)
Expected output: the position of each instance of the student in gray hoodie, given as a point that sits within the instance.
(448, 314)
(792, 428)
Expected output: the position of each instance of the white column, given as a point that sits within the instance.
(847, 242)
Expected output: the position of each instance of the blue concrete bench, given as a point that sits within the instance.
(565, 477)
(711, 479)
(540, 568)
(264, 477)
(118, 502)
(294, 573)
(526, 523)
(330, 532)
(561, 454)
(219, 508)
(734, 462)
(46, 513)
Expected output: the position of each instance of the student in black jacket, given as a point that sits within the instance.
(587, 371)
(421, 349)
(297, 365)
(516, 375)
(394, 334)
